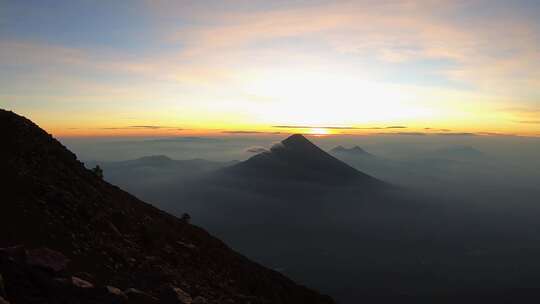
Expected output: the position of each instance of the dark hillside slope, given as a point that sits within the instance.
(110, 237)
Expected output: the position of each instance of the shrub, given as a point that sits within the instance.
(98, 171)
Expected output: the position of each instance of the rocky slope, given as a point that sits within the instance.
(81, 240)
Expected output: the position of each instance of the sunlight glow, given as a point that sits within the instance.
(319, 131)
(315, 98)
(313, 65)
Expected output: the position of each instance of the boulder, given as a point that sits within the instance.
(47, 259)
(136, 296)
(174, 295)
(110, 295)
(80, 283)
(115, 291)
(85, 276)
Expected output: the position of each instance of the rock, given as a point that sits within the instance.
(80, 283)
(199, 300)
(62, 281)
(186, 245)
(47, 259)
(85, 276)
(3, 301)
(174, 295)
(111, 295)
(136, 296)
(114, 230)
(115, 291)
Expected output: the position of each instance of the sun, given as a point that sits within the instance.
(319, 131)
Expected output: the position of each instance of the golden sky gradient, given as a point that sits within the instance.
(168, 68)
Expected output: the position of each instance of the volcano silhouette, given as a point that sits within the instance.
(296, 158)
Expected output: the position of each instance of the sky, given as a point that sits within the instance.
(144, 68)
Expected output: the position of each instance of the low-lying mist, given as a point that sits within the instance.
(459, 215)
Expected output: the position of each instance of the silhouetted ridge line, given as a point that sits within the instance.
(90, 234)
(297, 140)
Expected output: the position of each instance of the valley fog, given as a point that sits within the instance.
(422, 161)
(457, 215)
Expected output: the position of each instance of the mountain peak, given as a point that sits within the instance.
(296, 139)
(296, 142)
(356, 150)
(296, 158)
(458, 152)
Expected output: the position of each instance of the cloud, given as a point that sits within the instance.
(248, 132)
(213, 54)
(242, 132)
(449, 133)
(152, 127)
(440, 130)
(495, 134)
(425, 133)
(337, 127)
(277, 146)
(256, 149)
(520, 110)
(527, 115)
(141, 127)
(529, 121)
(456, 134)
(406, 133)
(394, 32)
(178, 139)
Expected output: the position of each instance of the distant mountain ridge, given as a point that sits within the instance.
(80, 236)
(356, 150)
(152, 160)
(458, 152)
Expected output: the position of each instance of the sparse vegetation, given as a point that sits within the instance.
(98, 171)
